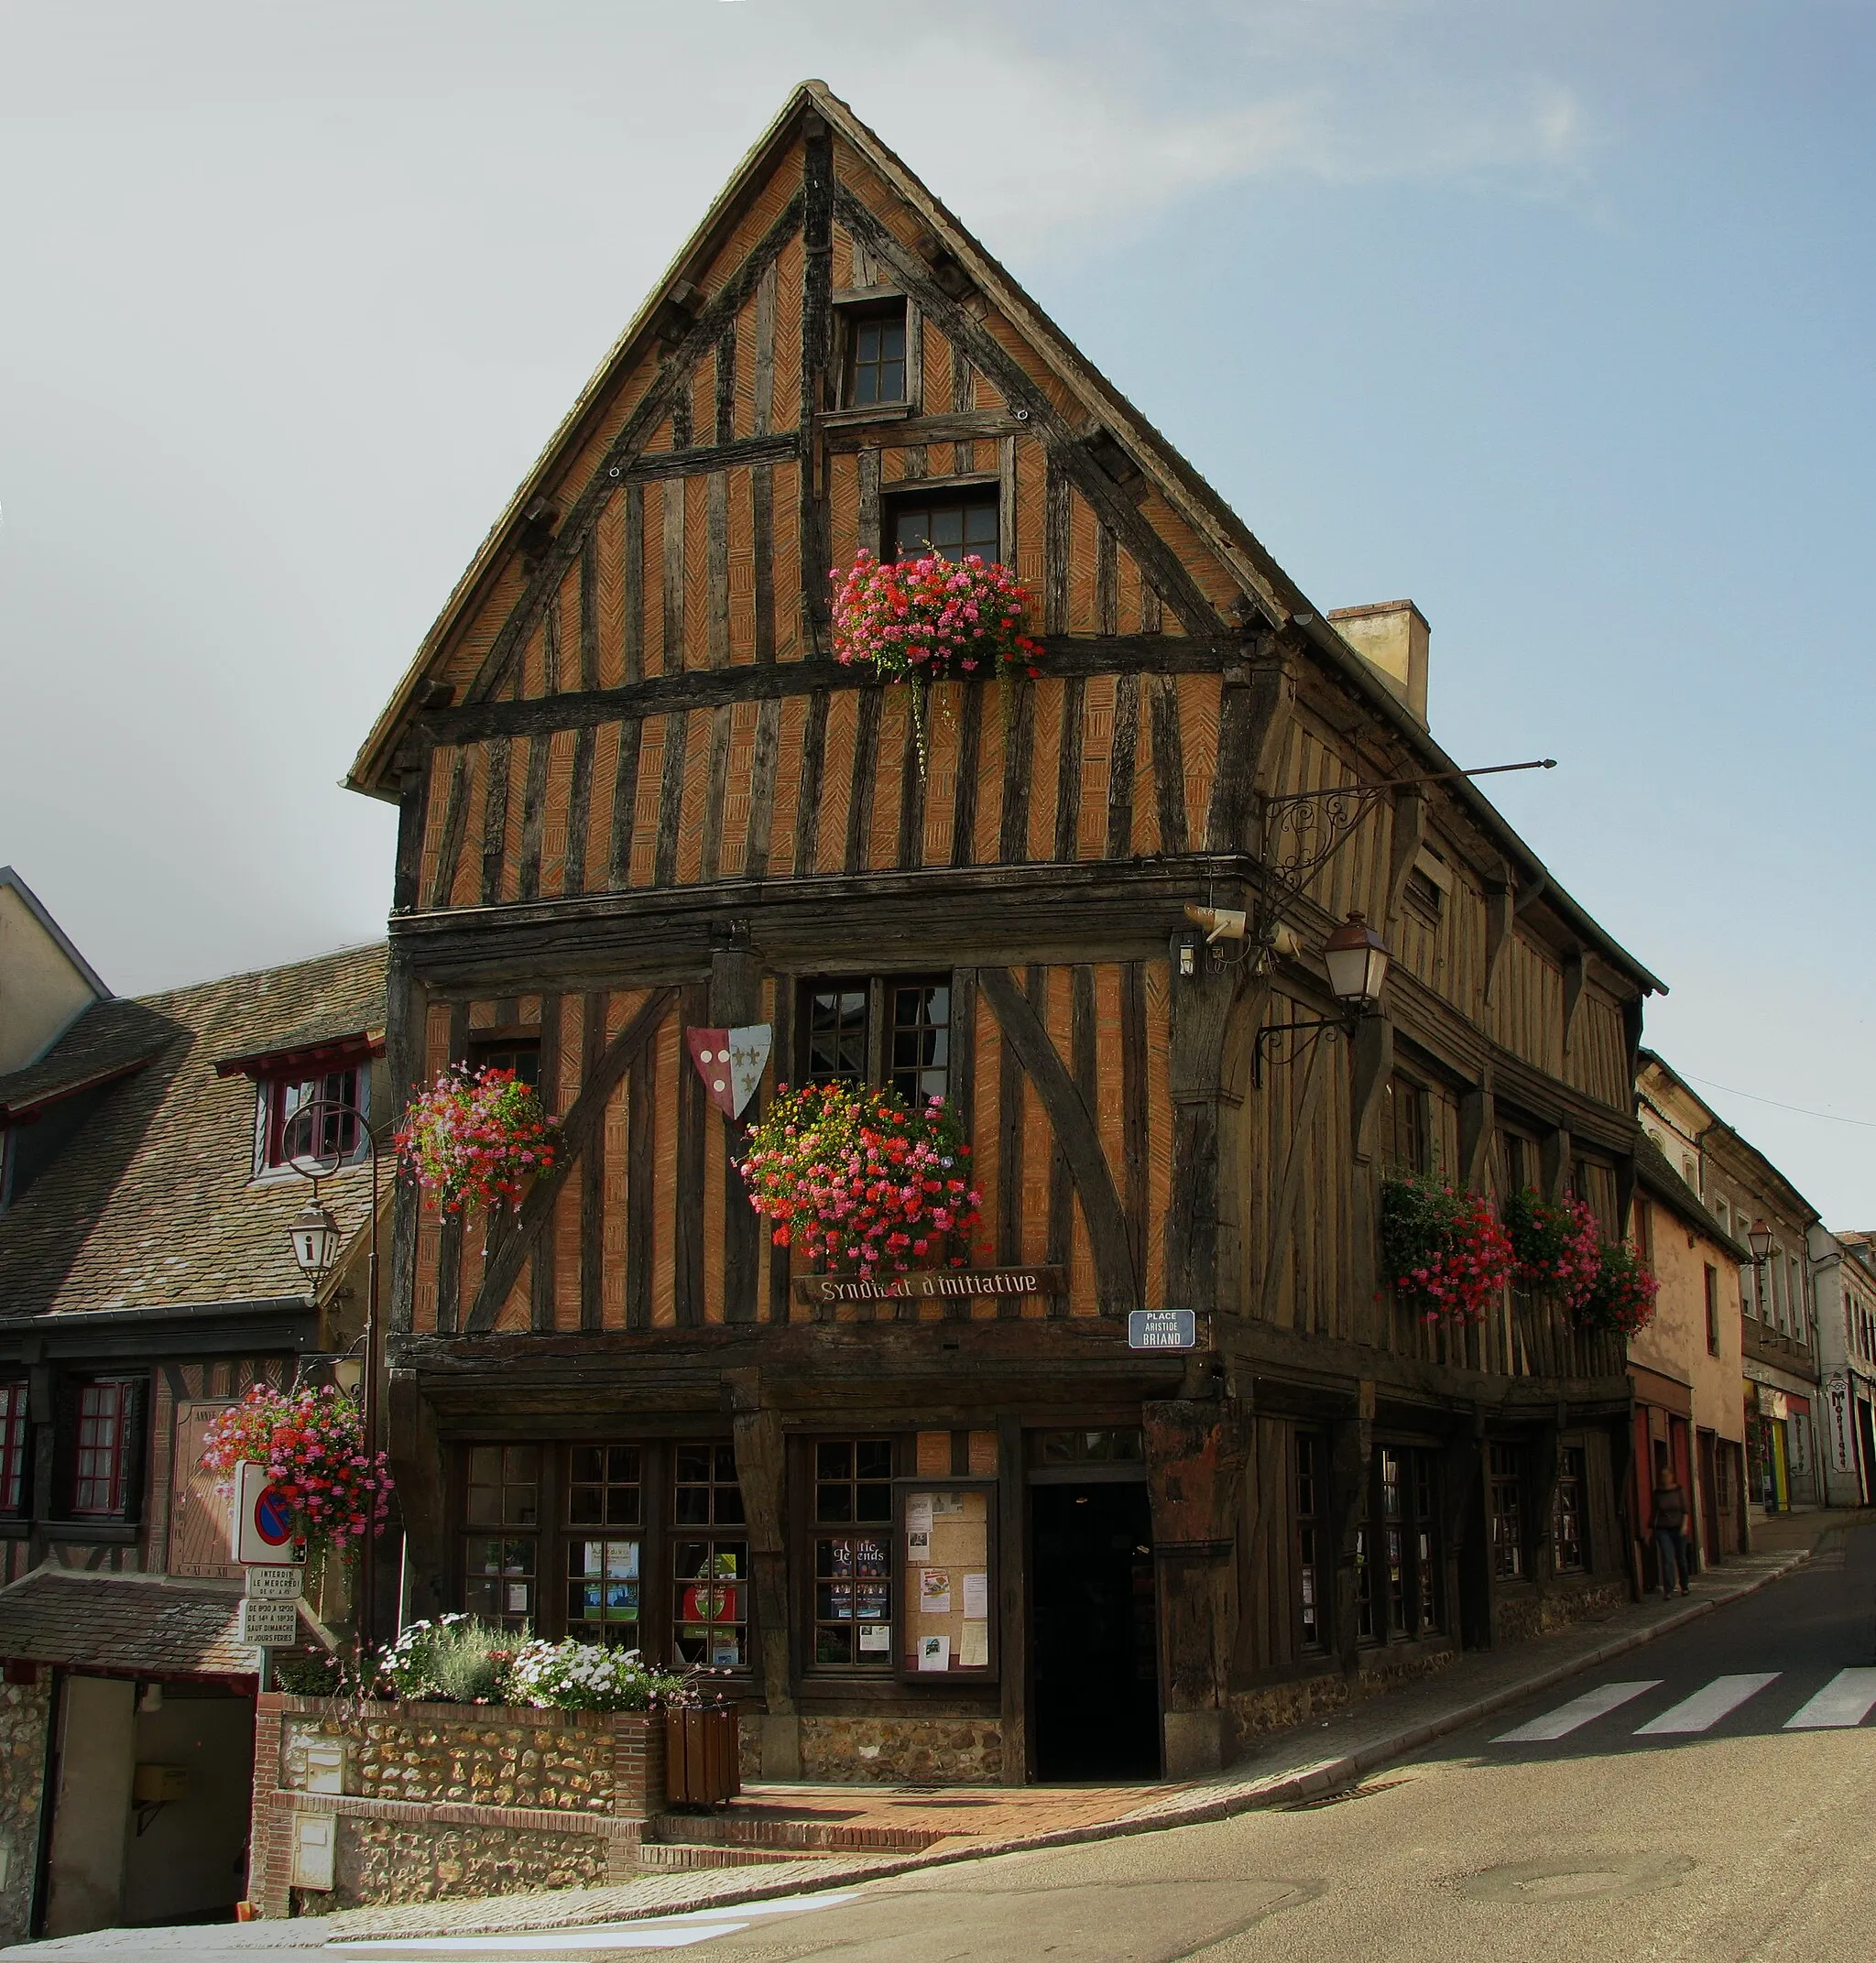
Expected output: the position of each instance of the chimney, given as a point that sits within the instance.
(1392, 638)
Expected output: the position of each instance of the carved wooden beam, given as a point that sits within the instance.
(1116, 1284)
(588, 1113)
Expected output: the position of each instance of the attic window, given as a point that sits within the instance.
(1423, 894)
(298, 1118)
(876, 357)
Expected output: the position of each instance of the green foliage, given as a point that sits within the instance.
(459, 1660)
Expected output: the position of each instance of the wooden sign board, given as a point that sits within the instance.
(935, 1284)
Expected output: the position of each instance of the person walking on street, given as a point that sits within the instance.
(1670, 1529)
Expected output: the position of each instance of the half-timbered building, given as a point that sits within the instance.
(639, 796)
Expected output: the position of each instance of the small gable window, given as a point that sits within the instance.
(876, 358)
(311, 1118)
(954, 526)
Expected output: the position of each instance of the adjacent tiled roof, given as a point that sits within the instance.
(107, 1040)
(1655, 1172)
(124, 1623)
(152, 1203)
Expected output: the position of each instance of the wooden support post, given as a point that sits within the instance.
(1202, 1003)
(1351, 1469)
(1373, 1066)
(1196, 1451)
(762, 1472)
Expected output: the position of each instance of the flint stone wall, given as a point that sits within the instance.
(24, 1712)
(422, 1802)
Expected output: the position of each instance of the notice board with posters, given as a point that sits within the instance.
(947, 1622)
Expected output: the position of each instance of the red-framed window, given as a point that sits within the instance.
(13, 1436)
(100, 1453)
(290, 1128)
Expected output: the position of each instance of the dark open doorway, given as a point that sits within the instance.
(1094, 1700)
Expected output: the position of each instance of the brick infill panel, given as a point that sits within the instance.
(463, 1813)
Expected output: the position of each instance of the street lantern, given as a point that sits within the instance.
(1358, 962)
(1759, 1238)
(315, 1237)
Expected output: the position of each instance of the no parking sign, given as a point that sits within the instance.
(263, 1520)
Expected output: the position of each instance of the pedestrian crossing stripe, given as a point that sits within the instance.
(1578, 1711)
(1840, 1705)
(1843, 1702)
(1708, 1705)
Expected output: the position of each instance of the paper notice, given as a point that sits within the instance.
(934, 1591)
(918, 1545)
(944, 1503)
(974, 1652)
(876, 1638)
(918, 1513)
(977, 1597)
(935, 1652)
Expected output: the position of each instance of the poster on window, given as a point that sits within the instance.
(946, 1586)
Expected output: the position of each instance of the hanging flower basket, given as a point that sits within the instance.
(1621, 1301)
(1445, 1252)
(1558, 1246)
(857, 1178)
(477, 1138)
(931, 620)
(312, 1443)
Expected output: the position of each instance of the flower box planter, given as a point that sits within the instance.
(700, 1750)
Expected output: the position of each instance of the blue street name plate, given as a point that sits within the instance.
(1162, 1329)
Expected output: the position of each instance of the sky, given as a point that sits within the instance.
(1555, 318)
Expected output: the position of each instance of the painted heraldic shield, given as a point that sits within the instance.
(731, 1062)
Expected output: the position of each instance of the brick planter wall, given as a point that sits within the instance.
(425, 1801)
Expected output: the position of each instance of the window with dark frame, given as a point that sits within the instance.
(1569, 1535)
(100, 1449)
(1311, 1620)
(853, 1553)
(876, 367)
(501, 1544)
(1519, 1157)
(710, 1566)
(1118, 1443)
(292, 1128)
(1506, 1513)
(520, 1054)
(889, 1030)
(604, 1492)
(13, 1438)
(1400, 1593)
(1428, 1557)
(951, 525)
(1710, 1276)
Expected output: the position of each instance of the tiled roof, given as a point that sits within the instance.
(152, 1202)
(1656, 1172)
(127, 1622)
(107, 1040)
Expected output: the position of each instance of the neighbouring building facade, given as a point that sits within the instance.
(146, 1282)
(1843, 1283)
(1686, 1365)
(967, 1535)
(1778, 1317)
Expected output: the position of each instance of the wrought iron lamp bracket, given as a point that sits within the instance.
(1312, 1030)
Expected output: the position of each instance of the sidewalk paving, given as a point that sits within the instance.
(1296, 1764)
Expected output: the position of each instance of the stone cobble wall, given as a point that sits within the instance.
(1561, 1607)
(902, 1751)
(443, 1753)
(1266, 1707)
(24, 1712)
(381, 1862)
